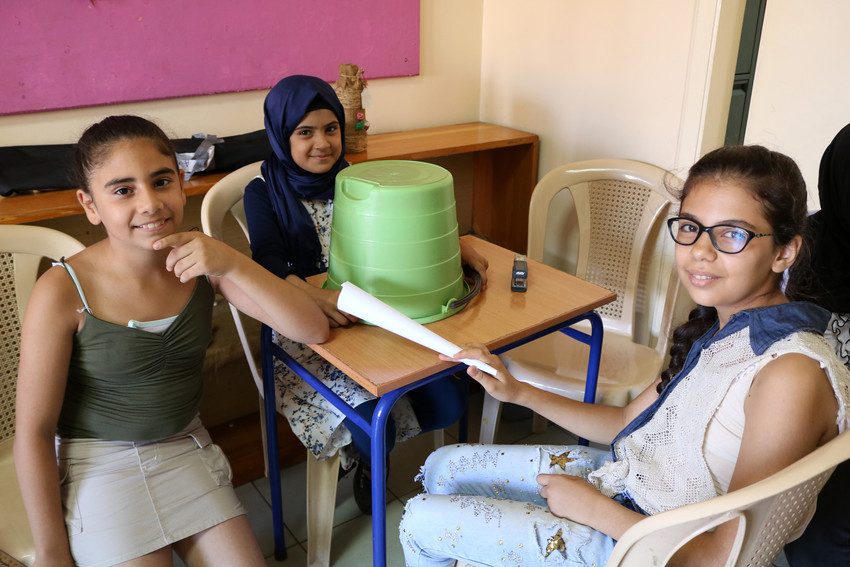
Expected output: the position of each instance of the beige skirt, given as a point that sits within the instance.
(123, 499)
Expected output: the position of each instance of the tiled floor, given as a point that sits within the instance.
(352, 536)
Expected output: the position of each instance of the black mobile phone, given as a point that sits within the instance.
(519, 275)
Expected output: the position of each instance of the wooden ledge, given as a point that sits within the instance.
(423, 143)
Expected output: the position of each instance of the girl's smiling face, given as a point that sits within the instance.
(136, 192)
(316, 143)
(731, 282)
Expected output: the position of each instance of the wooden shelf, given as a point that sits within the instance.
(441, 141)
(21, 209)
(505, 172)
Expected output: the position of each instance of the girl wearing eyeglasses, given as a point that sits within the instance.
(752, 387)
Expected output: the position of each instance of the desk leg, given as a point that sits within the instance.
(379, 480)
(270, 404)
(377, 431)
(593, 360)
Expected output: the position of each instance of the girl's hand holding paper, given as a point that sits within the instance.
(500, 384)
(359, 303)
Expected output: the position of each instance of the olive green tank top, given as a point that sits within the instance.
(128, 384)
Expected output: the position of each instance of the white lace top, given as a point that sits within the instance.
(671, 461)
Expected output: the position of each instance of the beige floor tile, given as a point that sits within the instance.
(352, 541)
(260, 518)
(295, 557)
(405, 460)
(294, 488)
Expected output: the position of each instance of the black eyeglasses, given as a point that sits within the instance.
(726, 238)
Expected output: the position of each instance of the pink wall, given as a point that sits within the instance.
(70, 53)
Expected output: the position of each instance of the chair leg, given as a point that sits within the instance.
(322, 479)
(439, 438)
(539, 424)
(263, 436)
(490, 414)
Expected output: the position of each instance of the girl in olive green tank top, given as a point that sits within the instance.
(94, 375)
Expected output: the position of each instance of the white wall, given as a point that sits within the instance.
(445, 92)
(601, 78)
(801, 94)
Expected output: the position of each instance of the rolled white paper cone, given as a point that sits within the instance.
(482, 366)
(363, 305)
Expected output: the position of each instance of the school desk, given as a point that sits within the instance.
(504, 175)
(389, 366)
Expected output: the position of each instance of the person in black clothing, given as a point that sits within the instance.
(826, 540)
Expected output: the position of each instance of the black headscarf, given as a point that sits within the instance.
(828, 230)
(285, 106)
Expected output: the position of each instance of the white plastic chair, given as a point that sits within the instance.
(226, 197)
(618, 208)
(22, 248)
(770, 511)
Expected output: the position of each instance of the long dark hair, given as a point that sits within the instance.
(95, 143)
(776, 182)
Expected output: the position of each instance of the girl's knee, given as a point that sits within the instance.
(421, 514)
(436, 466)
(410, 508)
(411, 521)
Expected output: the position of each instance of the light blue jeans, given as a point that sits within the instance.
(481, 506)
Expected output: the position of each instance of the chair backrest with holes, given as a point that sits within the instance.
(619, 207)
(225, 197)
(22, 249)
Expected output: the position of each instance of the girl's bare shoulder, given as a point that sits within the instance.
(55, 293)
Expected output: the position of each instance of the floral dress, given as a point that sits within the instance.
(312, 418)
(838, 335)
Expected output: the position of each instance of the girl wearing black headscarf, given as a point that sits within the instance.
(288, 211)
(826, 540)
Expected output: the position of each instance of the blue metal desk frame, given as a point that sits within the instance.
(377, 429)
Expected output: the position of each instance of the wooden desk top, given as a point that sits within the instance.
(381, 361)
(423, 143)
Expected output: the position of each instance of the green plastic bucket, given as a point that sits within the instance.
(394, 234)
